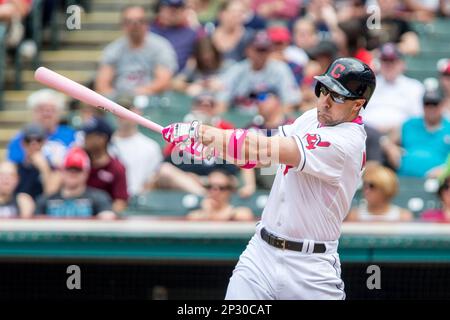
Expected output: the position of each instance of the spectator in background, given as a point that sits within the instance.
(325, 18)
(348, 10)
(423, 10)
(284, 10)
(322, 55)
(172, 23)
(47, 107)
(281, 39)
(107, 173)
(441, 214)
(204, 108)
(202, 72)
(305, 37)
(216, 206)
(36, 175)
(255, 73)
(374, 151)
(139, 63)
(142, 159)
(140, 155)
(252, 20)
(444, 71)
(425, 141)
(230, 36)
(12, 204)
(325, 52)
(74, 199)
(271, 117)
(380, 185)
(393, 28)
(354, 44)
(444, 8)
(205, 10)
(396, 97)
(10, 9)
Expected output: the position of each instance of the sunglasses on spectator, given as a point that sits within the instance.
(218, 187)
(369, 185)
(262, 96)
(445, 187)
(336, 97)
(262, 50)
(31, 139)
(129, 22)
(431, 104)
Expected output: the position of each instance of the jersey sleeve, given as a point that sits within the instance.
(322, 155)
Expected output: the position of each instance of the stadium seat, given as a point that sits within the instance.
(164, 203)
(177, 203)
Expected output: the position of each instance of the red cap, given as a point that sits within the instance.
(279, 34)
(77, 158)
(444, 67)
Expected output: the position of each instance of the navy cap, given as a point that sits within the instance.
(261, 41)
(99, 126)
(172, 3)
(390, 52)
(432, 97)
(34, 131)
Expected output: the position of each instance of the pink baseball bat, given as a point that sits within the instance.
(80, 92)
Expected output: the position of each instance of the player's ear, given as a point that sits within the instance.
(359, 103)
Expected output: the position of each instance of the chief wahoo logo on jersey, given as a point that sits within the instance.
(314, 140)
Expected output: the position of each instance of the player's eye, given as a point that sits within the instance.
(336, 97)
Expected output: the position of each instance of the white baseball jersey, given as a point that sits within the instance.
(312, 200)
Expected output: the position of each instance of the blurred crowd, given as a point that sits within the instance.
(257, 57)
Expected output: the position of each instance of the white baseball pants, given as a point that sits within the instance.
(264, 272)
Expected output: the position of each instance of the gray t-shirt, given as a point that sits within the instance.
(240, 80)
(135, 67)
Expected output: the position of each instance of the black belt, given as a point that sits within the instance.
(287, 244)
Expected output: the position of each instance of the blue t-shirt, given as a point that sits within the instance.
(182, 40)
(424, 150)
(54, 148)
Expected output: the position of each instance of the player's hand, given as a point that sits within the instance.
(185, 137)
(181, 132)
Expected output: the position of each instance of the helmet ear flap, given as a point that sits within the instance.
(317, 89)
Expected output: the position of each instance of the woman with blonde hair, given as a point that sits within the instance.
(380, 185)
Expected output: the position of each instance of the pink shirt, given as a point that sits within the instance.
(434, 215)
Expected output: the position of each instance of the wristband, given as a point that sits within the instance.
(235, 143)
(234, 149)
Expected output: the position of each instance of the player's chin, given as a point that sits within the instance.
(323, 118)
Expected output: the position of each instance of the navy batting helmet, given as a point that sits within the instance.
(349, 77)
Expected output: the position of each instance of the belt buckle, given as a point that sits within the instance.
(283, 242)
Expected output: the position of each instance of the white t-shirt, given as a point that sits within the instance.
(394, 103)
(311, 201)
(141, 157)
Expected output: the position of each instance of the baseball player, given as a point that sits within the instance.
(293, 254)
